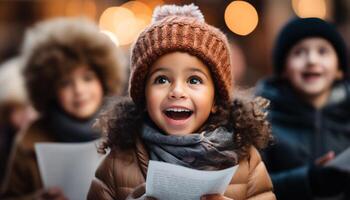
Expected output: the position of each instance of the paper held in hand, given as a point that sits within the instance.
(173, 182)
(70, 166)
(341, 161)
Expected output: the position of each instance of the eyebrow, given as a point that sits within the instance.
(191, 69)
(158, 70)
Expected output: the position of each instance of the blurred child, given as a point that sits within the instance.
(182, 112)
(69, 68)
(310, 110)
(15, 111)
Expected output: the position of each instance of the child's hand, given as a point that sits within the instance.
(139, 193)
(53, 193)
(214, 197)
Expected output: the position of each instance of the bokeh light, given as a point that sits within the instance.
(126, 21)
(139, 9)
(310, 8)
(121, 22)
(111, 36)
(241, 17)
(152, 3)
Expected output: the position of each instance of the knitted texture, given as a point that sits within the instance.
(183, 29)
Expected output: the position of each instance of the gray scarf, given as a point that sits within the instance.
(68, 129)
(206, 151)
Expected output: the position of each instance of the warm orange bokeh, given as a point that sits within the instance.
(241, 17)
(310, 8)
(126, 21)
(152, 3)
(140, 10)
(121, 22)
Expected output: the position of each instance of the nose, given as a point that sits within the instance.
(78, 87)
(177, 91)
(312, 57)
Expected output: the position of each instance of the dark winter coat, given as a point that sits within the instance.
(302, 134)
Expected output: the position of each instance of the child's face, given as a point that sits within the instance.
(312, 67)
(80, 93)
(179, 93)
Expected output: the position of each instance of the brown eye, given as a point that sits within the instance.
(322, 50)
(89, 77)
(195, 80)
(161, 80)
(299, 51)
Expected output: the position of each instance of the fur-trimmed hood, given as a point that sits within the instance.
(246, 116)
(53, 48)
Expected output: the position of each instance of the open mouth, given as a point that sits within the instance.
(311, 75)
(178, 113)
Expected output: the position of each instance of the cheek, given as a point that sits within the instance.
(152, 100)
(292, 72)
(331, 65)
(97, 90)
(295, 64)
(149, 97)
(65, 98)
(205, 99)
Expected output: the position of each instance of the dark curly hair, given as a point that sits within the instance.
(245, 116)
(56, 47)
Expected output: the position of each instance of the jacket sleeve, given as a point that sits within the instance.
(294, 178)
(102, 186)
(289, 183)
(20, 182)
(259, 185)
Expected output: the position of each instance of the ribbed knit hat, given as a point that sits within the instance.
(180, 28)
(301, 28)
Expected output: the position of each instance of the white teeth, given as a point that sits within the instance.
(177, 110)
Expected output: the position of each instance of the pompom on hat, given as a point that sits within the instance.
(301, 28)
(180, 28)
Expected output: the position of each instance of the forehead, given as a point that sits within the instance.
(179, 61)
(313, 42)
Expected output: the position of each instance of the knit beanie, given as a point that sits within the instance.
(180, 28)
(301, 28)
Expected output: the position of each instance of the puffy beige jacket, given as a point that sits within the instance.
(121, 172)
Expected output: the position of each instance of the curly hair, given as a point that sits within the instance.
(55, 47)
(245, 116)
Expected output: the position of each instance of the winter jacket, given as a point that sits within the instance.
(23, 178)
(122, 171)
(302, 134)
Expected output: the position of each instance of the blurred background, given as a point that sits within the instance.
(251, 26)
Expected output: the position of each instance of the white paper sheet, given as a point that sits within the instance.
(173, 182)
(341, 161)
(70, 166)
